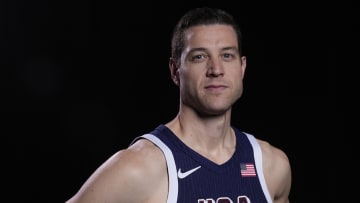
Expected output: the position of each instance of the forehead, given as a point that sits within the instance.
(210, 35)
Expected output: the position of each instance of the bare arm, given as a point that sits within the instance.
(137, 174)
(277, 172)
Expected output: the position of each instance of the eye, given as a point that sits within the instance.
(227, 56)
(198, 58)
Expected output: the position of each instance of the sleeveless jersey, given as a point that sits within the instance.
(195, 179)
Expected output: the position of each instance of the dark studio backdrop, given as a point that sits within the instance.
(81, 79)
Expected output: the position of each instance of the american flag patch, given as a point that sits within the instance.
(247, 170)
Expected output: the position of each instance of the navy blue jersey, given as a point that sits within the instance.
(195, 179)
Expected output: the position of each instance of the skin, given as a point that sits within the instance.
(210, 80)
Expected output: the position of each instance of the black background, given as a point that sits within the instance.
(81, 79)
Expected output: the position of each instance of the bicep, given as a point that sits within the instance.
(277, 172)
(116, 180)
(283, 175)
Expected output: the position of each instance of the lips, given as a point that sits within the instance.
(215, 87)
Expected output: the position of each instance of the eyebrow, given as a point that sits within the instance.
(230, 48)
(222, 49)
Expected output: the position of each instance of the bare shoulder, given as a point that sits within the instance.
(130, 175)
(273, 153)
(277, 171)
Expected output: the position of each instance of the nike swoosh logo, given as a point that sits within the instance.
(182, 175)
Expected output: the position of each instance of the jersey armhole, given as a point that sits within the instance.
(171, 166)
(259, 167)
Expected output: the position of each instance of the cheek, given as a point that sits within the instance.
(189, 83)
(240, 87)
(187, 76)
(238, 82)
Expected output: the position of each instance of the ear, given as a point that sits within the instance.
(174, 71)
(243, 65)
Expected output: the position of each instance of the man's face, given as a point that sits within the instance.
(211, 71)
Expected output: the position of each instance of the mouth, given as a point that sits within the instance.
(215, 88)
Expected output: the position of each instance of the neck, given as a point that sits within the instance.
(210, 136)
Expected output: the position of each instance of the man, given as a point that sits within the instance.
(198, 156)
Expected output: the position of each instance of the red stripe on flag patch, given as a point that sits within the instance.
(247, 170)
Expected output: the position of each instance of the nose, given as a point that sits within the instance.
(215, 68)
